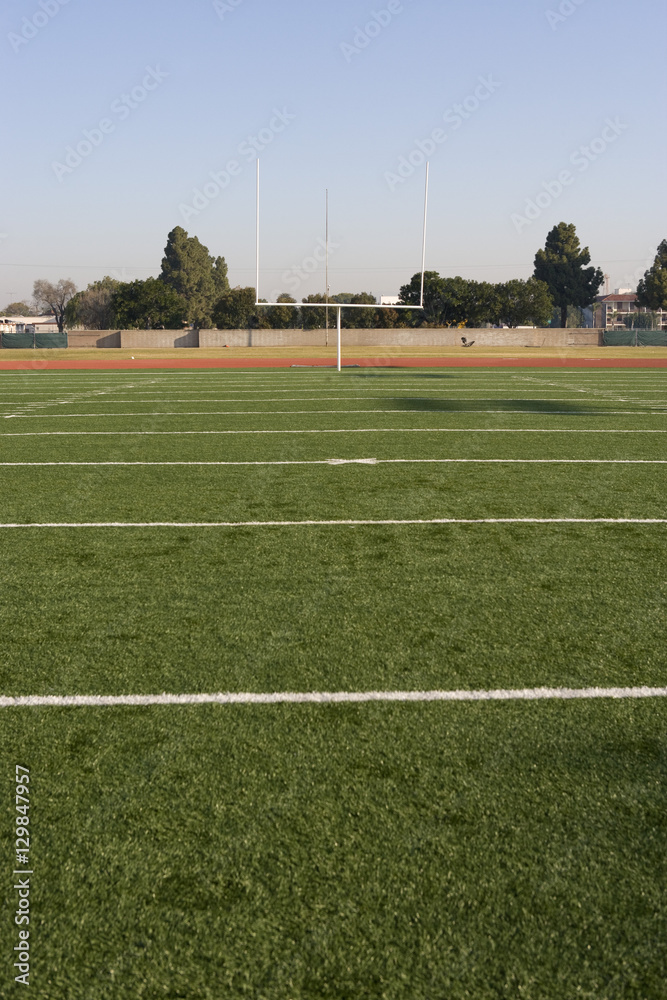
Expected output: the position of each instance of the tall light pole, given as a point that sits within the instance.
(326, 266)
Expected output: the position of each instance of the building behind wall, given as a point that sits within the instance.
(18, 324)
(613, 311)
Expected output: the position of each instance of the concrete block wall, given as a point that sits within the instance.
(159, 338)
(356, 338)
(400, 338)
(93, 338)
(265, 338)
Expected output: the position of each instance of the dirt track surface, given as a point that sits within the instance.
(391, 357)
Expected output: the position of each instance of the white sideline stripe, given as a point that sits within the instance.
(327, 697)
(335, 430)
(550, 388)
(371, 410)
(336, 523)
(265, 385)
(497, 394)
(316, 381)
(510, 391)
(380, 461)
(355, 388)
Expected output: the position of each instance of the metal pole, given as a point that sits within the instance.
(326, 278)
(421, 300)
(338, 324)
(257, 239)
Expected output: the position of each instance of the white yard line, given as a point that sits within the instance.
(379, 461)
(263, 413)
(598, 392)
(404, 385)
(336, 430)
(335, 523)
(422, 391)
(72, 398)
(419, 391)
(329, 698)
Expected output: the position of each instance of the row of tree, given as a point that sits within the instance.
(192, 289)
(190, 284)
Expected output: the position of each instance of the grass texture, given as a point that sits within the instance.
(497, 851)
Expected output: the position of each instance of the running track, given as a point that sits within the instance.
(42, 364)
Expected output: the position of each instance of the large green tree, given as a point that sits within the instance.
(194, 274)
(148, 305)
(563, 267)
(449, 302)
(283, 317)
(358, 319)
(409, 295)
(520, 303)
(652, 289)
(316, 319)
(236, 310)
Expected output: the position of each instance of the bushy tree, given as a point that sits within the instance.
(316, 319)
(652, 289)
(92, 309)
(409, 295)
(388, 318)
(522, 303)
(18, 309)
(449, 302)
(353, 319)
(480, 303)
(201, 280)
(236, 310)
(281, 317)
(54, 298)
(562, 266)
(148, 305)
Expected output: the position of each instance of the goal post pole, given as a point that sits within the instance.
(326, 265)
(257, 240)
(421, 300)
(338, 311)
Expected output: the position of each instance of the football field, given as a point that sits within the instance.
(336, 685)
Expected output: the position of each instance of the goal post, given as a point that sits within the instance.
(337, 305)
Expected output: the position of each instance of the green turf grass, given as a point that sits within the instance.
(144, 611)
(463, 852)
(425, 852)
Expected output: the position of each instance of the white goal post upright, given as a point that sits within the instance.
(345, 305)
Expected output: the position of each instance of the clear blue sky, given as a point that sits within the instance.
(351, 106)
